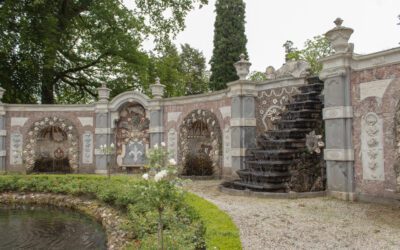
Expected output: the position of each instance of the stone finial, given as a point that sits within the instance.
(339, 37)
(103, 92)
(2, 91)
(157, 89)
(242, 67)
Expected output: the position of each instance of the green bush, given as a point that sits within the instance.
(124, 193)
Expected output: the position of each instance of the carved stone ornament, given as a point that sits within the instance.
(314, 142)
(64, 132)
(294, 69)
(339, 37)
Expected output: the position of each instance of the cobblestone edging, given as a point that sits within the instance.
(110, 218)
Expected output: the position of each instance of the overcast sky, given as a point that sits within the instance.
(270, 23)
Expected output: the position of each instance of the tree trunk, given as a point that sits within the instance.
(47, 89)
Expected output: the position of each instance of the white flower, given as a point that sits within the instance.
(317, 150)
(156, 146)
(172, 161)
(145, 176)
(160, 175)
(112, 145)
(162, 144)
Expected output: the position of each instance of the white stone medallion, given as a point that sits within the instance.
(372, 147)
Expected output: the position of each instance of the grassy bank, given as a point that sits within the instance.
(187, 226)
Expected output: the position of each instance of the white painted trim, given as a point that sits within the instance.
(3, 132)
(243, 122)
(3, 153)
(102, 131)
(338, 112)
(86, 120)
(339, 154)
(129, 96)
(49, 107)
(238, 152)
(156, 129)
(18, 121)
(374, 88)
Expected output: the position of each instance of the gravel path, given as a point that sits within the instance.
(314, 223)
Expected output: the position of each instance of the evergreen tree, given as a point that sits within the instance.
(229, 41)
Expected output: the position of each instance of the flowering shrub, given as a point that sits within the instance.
(161, 191)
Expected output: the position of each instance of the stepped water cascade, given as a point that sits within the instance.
(284, 161)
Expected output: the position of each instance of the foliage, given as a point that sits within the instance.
(257, 76)
(181, 73)
(60, 51)
(198, 165)
(314, 49)
(125, 193)
(221, 232)
(229, 41)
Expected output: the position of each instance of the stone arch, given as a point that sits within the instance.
(129, 96)
(200, 130)
(66, 131)
(397, 146)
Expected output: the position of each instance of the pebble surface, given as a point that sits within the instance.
(312, 223)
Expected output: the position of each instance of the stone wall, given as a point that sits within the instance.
(375, 100)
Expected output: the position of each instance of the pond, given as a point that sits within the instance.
(47, 227)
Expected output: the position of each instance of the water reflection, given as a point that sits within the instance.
(39, 227)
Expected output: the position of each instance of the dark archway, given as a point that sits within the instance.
(200, 144)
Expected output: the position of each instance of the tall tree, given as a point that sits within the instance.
(314, 49)
(60, 50)
(229, 41)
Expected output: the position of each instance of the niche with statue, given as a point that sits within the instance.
(200, 144)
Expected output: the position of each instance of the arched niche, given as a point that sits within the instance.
(132, 135)
(200, 135)
(51, 145)
(128, 97)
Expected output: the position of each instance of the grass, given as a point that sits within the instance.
(123, 192)
(221, 232)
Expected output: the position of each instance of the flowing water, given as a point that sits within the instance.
(46, 227)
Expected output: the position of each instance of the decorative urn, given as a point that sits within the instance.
(339, 37)
(242, 67)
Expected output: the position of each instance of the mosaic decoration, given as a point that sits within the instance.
(200, 133)
(87, 143)
(51, 137)
(16, 149)
(132, 135)
(372, 147)
(314, 142)
(271, 103)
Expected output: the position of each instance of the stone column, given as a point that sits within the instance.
(102, 128)
(3, 134)
(156, 129)
(243, 121)
(338, 114)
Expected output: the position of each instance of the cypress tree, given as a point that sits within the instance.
(229, 41)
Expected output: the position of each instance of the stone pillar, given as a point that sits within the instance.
(102, 128)
(243, 121)
(338, 114)
(3, 134)
(156, 129)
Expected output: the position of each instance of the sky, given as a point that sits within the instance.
(270, 23)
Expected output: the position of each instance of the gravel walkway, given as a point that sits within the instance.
(314, 223)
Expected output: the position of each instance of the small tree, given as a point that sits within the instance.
(314, 49)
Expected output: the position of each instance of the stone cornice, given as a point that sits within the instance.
(49, 107)
(338, 112)
(339, 154)
(377, 59)
(242, 88)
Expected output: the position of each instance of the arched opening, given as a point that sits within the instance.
(200, 144)
(51, 147)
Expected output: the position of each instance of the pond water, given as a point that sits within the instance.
(46, 227)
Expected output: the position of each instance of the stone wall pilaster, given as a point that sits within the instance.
(156, 128)
(243, 121)
(338, 114)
